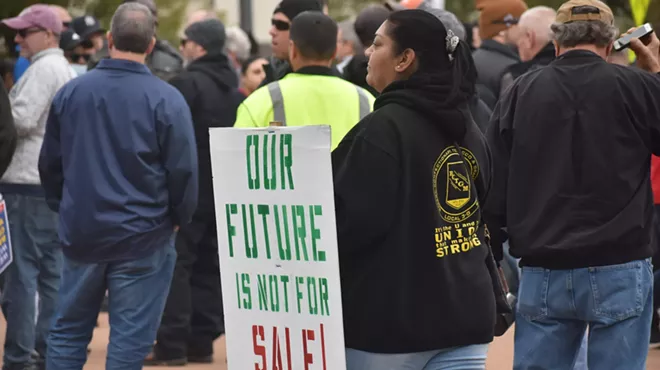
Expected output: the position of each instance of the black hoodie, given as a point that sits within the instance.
(210, 87)
(413, 269)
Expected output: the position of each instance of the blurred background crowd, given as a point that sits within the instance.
(247, 21)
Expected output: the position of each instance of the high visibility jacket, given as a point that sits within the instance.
(311, 96)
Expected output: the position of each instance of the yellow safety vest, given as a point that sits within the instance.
(307, 99)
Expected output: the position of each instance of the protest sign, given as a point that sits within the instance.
(277, 242)
(6, 256)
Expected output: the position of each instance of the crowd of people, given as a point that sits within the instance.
(472, 163)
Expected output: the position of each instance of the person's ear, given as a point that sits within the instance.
(293, 51)
(608, 50)
(406, 60)
(152, 44)
(111, 42)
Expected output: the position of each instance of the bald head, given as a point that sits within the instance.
(534, 27)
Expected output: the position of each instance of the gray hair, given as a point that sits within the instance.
(348, 33)
(448, 19)
(132, 28)
(238, 43)
(576, 33)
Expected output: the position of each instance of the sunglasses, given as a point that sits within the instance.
(85, 57)
(280, 25)
(28, 31)
(87, 44)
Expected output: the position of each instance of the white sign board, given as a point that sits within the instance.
(277, 242)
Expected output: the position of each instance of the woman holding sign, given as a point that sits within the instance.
(409, 182)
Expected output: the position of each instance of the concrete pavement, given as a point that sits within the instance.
(500, 355)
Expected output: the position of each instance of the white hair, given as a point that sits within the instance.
(539, 19)
(238, 43)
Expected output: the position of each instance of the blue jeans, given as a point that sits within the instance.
(137, 291)
(36, 268)
(556, 306)
(458, 358)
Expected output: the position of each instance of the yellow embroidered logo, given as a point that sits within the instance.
(451, 179)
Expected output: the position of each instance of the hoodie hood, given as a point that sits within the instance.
(218, 68)
(432, 95)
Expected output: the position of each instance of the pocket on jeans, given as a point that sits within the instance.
(618, 290)
(533, 293)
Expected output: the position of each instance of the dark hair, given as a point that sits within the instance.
(368, 21)
(315, 35)
(425, 34)
(246, 63)
(6, 67)
(132, 28)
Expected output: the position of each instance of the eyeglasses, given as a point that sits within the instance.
(77, 57)
(28, 31)
(280, 25)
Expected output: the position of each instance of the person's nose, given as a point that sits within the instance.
(369, 51)
(18, 39)
(272, 32)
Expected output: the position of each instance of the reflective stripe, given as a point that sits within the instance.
(365, 107)
(278, 102)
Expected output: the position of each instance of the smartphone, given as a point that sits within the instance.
(624, 41)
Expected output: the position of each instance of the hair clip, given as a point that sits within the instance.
(451, 43)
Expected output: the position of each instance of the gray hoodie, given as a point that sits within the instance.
(30, 102)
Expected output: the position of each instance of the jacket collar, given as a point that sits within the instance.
(123, 65)
(546, 55)
(43, 53)
(316, 70)
(573, 56)
(319, 71)
(496, 47)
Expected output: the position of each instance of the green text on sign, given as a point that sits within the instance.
(294, 225)
(263, 154)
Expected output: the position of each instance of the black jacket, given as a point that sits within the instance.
(355, 72)
(275, 70)
(571, 144)
(413, 269)
(480, 113)
(491, 60)
(543, 58)
(8, 134)
(164, 61)
(210, 87)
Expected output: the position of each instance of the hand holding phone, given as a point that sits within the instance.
(647, 50)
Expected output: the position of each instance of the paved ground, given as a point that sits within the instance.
(500, 353)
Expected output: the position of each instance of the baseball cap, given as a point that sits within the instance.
(86, 26)
(69, 40)
(38, 15)
(209, 34)
(499, 15)
(585, 10)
